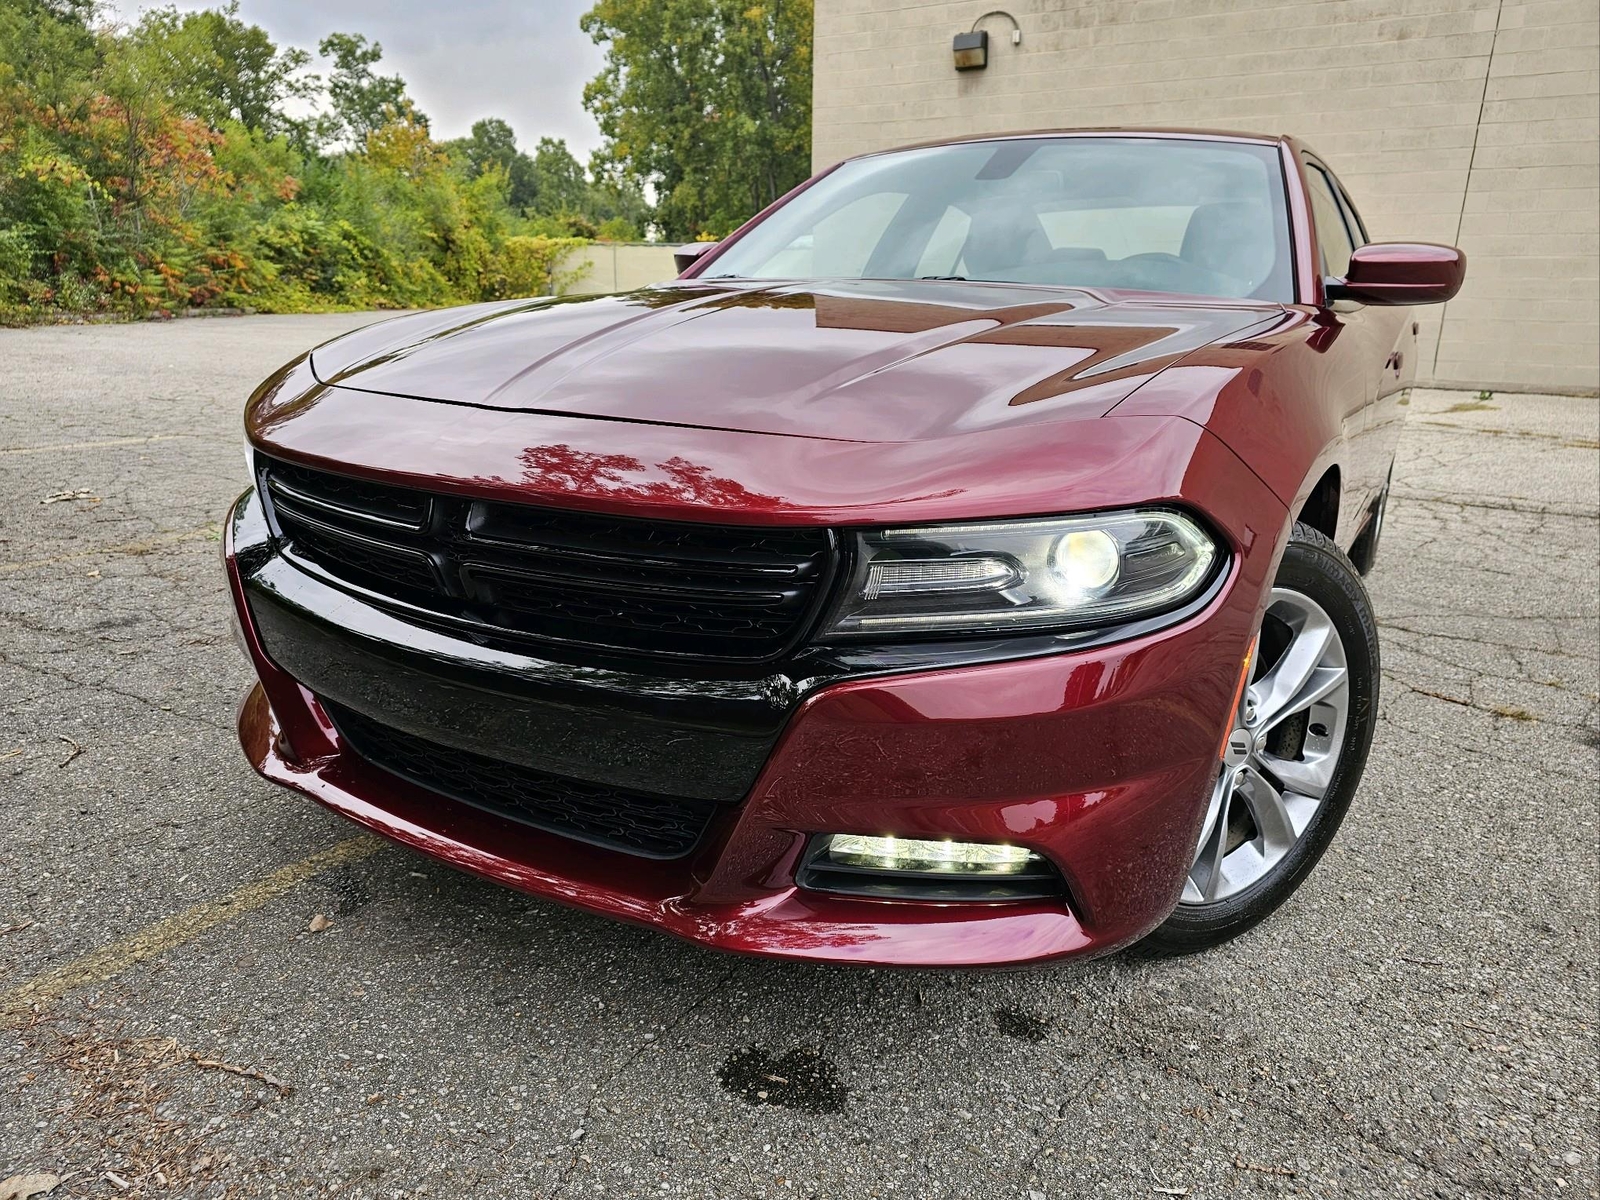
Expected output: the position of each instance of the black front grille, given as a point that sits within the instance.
(523, 572)
(633, 822)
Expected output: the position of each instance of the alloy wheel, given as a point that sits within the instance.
(1281, 755)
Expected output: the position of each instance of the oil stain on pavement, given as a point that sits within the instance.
(1021, 1024)
(800, 1079)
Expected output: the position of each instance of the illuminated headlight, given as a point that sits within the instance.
(1003, 576)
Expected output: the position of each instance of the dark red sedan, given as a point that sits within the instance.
(958, 565)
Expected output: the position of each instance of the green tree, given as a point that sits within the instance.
(48, 48)
(559, 180)
(157, 167)
(493, 145)
(219, 68)
(361, 99)
(708, 102)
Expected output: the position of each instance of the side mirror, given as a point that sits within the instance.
(685, 257)
(1400, 273)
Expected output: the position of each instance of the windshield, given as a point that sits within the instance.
(1199, 217)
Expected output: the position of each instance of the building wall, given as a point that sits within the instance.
(1472, 122)
(615, 267)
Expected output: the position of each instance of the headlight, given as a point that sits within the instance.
(1009, 576)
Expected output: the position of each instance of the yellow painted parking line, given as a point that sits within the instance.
(106, 444)
(144, 547)
(17, 1005)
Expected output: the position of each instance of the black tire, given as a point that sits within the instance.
(1313, 565)
(1364, 552)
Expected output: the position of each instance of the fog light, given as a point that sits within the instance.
(926, 869)
(914, 855)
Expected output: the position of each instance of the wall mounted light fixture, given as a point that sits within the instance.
(971, 49)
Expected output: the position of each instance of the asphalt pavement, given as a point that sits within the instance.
(1420, 1020)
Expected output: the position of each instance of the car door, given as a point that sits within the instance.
(1352, 340)
(1397, 326)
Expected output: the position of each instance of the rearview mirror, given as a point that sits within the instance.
(1400, 273)
(685, 257)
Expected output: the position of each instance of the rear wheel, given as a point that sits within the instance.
(1295, 755)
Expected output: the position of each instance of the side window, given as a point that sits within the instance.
(1333, 238)
(1352, 219)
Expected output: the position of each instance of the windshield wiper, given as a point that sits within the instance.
(957, 278)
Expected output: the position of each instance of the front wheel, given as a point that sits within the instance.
(1294, 758)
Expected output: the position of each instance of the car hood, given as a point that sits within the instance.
(843, 361)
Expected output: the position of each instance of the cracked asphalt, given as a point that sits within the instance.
(1419, 1021)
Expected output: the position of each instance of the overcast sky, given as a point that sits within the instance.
(525, 61)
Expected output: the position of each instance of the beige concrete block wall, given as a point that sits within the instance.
(1474, 122)
(616, 267)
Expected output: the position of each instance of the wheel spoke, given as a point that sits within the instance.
(1323, 683)
(1266, 806)
(1205, 877)
(1272, 695)
(1309, 777)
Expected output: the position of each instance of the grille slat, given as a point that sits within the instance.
(341, 496)
(363, 559)
(654, 588)
(636, 823)
(667, 591)
(778, 551)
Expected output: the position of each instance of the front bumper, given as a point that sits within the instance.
(1100, 759)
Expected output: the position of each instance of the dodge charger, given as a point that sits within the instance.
(959, 564)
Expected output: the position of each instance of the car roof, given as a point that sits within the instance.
(1207, 135)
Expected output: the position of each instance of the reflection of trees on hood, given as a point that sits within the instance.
(561, 468)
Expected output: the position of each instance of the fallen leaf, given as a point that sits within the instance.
(20, 1187)
(319, 923)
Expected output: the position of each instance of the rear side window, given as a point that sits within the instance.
(1352, 219)
(1333, 237)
